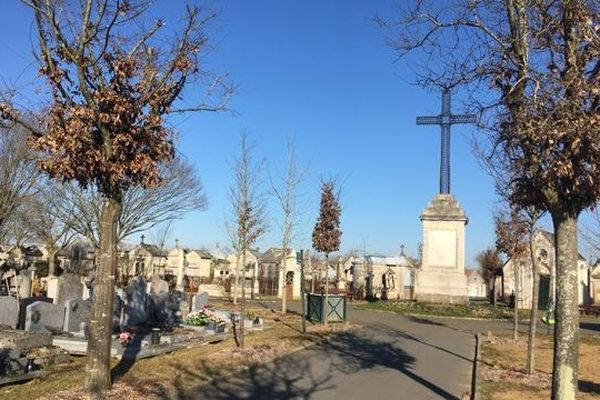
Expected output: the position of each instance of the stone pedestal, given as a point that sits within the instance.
(441, 277)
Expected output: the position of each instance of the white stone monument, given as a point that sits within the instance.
(441, 277)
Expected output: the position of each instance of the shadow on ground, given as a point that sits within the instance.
(296, 376)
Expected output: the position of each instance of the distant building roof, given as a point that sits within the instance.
(273, 256)
(202, 253)
(471, 272)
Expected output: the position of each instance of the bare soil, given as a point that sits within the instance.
(504, 361)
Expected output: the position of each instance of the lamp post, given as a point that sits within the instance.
(300, 259)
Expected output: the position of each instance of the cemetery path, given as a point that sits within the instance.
(393, 357)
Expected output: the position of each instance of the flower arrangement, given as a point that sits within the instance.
(125, 337)
(203, 317)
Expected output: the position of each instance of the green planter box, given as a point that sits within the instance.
(336, 310)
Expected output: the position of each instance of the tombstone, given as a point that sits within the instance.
(9, 311)
(199, 300)
(52, 287)
(44, 317)
(24, 283)
(159, 285)
(117, 307)
(136, 299)
(69, 288)
(77, 312)
(86, 293)
(24, 303)
(165, 308)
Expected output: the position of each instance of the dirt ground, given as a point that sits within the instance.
(504, 362)
(159, 377)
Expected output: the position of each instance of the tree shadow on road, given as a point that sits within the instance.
(278, 380)
(351, 353)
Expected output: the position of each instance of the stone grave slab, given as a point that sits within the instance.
(52, 286)
(9, 311)
(69, 287)
(24, 303)
(159, 285)
(165, 308)
(24, 284)
(136, 303)
(117, 308)
(44, 317)
(77, 312)
(199, 300)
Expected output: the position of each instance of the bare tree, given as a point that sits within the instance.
(161, 233)
(286, 192)
(327, 235)
(112, 81)
(46, 227)
(491, 267)
(511, 232)
(180, 191)
(532, 68)
(248, 208)
(18, 176)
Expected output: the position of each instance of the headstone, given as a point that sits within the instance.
(24, 283)
(159, 285)
(136, 299)
(69, 288)
(9, 311)
(86, 293)
(199, 300)
(52, 287)
(77, 312)
(165, 308)
(44, 317)
(117, 308)
(24, 303)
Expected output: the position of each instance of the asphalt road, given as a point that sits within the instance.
(392, 357)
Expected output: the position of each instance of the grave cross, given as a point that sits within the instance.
(445, 120)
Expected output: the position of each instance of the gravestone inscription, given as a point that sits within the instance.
(44, 317)
(24, 303)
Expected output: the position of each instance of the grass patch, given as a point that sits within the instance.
(504, 361)
(167, 375)
(445, 310)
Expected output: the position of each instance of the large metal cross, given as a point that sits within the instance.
(445, 120)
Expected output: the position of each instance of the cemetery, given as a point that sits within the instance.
(237, 200)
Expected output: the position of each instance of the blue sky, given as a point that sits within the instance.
(318, 71)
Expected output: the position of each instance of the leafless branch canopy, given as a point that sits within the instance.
(180, 192)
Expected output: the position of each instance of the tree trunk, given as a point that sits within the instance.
(566, 330)
(51, 261)
(101, 321)
(516, 310)
(535, 290)
(284, 284)
(326, 308)
(243, 301)
(236, 280)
